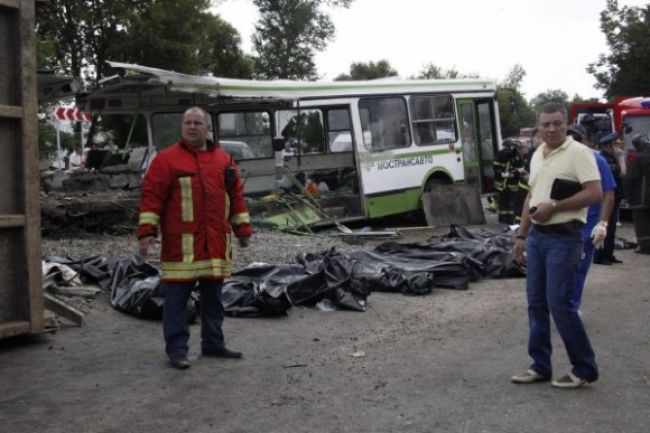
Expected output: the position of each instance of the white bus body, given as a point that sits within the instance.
(379, 143)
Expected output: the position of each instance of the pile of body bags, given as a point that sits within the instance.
(329, 279)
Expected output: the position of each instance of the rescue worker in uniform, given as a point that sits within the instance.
(598, 214)
(193, 195)
(510, 181)
(605, 256)
(637, 190)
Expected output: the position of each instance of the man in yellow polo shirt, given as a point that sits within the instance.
(564, 182)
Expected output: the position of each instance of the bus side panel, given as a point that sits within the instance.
(392, 203)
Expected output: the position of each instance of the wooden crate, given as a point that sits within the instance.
(21, 293)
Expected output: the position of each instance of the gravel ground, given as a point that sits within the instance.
(412, 364)
(266, 246)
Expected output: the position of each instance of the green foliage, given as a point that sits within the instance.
(624, 71)
(514, 78)
(288, 34)
(577, 99)
(62, 25)
(221, 53)
(179, 35)
(45, 49)
(368, 71)
(553, 95)
(515, 112)
(432, 71)
(170, 35)
(47, 139)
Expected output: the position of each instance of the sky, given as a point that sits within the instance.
(554, 40)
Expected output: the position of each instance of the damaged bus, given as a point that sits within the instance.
(371, 148)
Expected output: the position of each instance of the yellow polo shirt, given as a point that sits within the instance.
(571, 161)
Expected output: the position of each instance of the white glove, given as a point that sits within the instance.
(598, 234)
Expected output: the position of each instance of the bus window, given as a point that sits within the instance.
(339, 131)
(166, 129)
(246, 134)
(384, 123)
(121, 130)
(433, 119)
(308, 132)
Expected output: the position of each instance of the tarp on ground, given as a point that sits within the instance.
(451, 261)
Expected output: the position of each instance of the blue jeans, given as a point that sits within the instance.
(551, 271)
(585, 263)
(175, 320)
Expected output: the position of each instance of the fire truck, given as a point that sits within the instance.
(626, 115)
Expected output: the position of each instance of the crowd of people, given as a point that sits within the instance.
(512, 167)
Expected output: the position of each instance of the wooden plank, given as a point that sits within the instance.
(9, 329)
(15, 4)
(11, 111)
(63, 309)
(8, 221)
(31, 190)
(85, 291)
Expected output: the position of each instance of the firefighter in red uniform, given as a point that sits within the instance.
(192, 191)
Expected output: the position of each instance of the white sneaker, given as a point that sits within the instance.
(569, 381)
(530, 376)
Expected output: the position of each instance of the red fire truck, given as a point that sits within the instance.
(626, 115)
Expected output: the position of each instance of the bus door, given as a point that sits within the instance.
(477, 133)
(488, 142)
(319, 148)
(469, 141)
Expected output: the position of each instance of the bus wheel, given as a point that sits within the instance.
(434, 183)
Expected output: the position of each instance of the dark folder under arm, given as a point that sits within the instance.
(564, 188)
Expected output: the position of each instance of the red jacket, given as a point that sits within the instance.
(184, 193)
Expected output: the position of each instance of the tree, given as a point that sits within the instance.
(431, 71)
(166, 35)
(288, 34)
(221, 55)
(624, 71)
(47, 137)
(515, 77)
(368, 71)
(61, 26)
(577, 99)
(553, 95)
(514, 110)
(180, 35)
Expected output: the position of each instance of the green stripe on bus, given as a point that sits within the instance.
(389, 204)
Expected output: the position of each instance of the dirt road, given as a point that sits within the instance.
(438, 363)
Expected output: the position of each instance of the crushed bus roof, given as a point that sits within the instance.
(286, 89)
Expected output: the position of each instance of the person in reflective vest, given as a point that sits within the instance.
(510, 177)
(193, 195)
